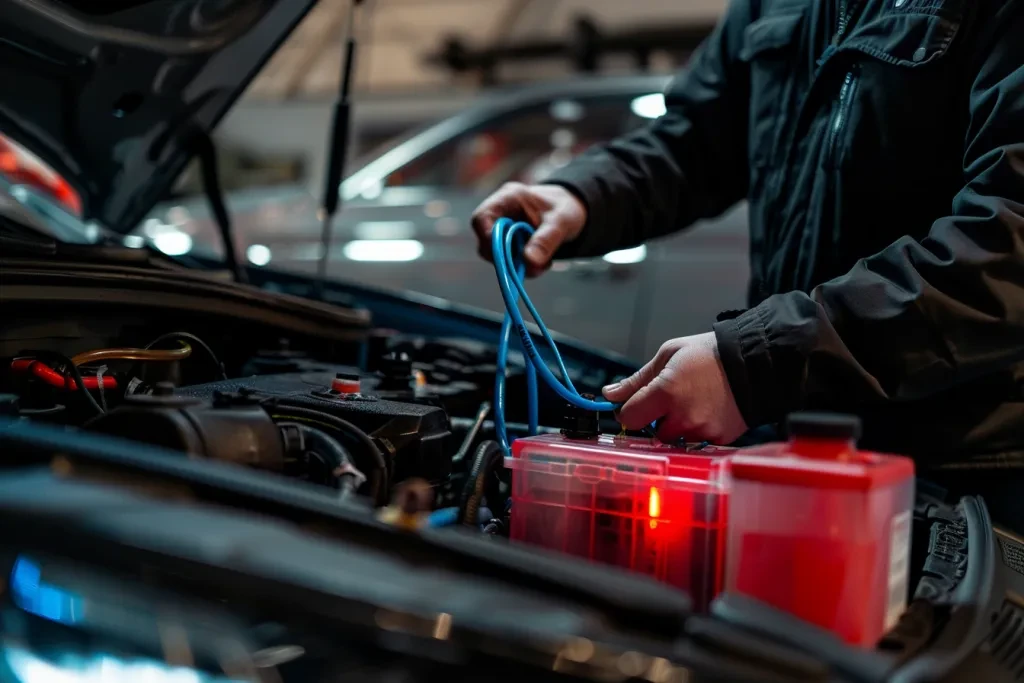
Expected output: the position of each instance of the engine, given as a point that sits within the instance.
(401, 420)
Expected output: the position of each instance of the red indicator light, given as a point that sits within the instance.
(654, 503)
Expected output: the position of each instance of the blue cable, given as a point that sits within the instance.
(443, 517)
(499, 385)
(507, 241)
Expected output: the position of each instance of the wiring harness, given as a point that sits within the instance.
(507, 241)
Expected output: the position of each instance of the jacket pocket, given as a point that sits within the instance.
(907, 38)
(903, 82)
(770, 48)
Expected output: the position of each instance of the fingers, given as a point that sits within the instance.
(620, 392)
(556, 214)
(643, 396)
(542, 246)
(508, 202)
(646, 405)
(672, 430)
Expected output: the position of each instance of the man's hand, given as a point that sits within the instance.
(556, 213)
(685, 388)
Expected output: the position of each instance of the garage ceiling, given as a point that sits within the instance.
(397, 34)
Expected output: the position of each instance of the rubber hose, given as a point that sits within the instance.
(342, 474)
(71, 370)
(375, 467)
(486, 459)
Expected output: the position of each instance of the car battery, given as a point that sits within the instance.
(626, 501)
(822, 530)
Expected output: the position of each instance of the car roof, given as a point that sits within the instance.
(490, 106)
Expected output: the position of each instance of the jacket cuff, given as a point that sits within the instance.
(745, 353)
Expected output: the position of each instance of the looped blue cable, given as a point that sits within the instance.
(507, 241)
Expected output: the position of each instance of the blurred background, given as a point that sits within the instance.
(451, 99)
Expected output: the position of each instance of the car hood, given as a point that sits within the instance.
(114, 95)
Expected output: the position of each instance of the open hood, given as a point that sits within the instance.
(114, 94)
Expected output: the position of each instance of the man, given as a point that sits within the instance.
(880, 144)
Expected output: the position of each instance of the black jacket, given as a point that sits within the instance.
(880, 144)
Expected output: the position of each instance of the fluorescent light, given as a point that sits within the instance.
(384, 230)
(383, 250)
(634, 255)
(258, 254)
(174, 243)
(649, 106)
(134, 241)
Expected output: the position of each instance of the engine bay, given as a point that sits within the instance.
(367, 426)
(366, 419)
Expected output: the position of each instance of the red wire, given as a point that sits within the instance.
(57, 380)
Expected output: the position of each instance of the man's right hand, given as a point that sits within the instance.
(556, 214)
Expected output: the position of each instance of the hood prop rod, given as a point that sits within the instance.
(337, 151)
(207, 154)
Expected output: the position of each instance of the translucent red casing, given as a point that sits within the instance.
(822, 530)
(630, 502)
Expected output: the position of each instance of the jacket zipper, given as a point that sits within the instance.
(846, 10)
(841, 113)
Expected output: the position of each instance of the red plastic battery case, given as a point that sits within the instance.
(630, 502)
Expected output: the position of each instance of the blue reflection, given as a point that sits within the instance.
(40, 598)
(30, 668)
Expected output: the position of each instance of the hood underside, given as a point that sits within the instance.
(115, 94)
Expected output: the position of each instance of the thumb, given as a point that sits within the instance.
(622, 391)
(543, 244)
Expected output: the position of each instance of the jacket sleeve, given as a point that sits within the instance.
(920, 317)
(690, 163)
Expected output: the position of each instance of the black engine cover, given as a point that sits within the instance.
(414, 436)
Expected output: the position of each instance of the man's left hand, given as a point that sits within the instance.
(685, 389)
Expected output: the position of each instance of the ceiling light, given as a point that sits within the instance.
(258, 254)
(649, 106)
(383, 250)
(634, 255)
